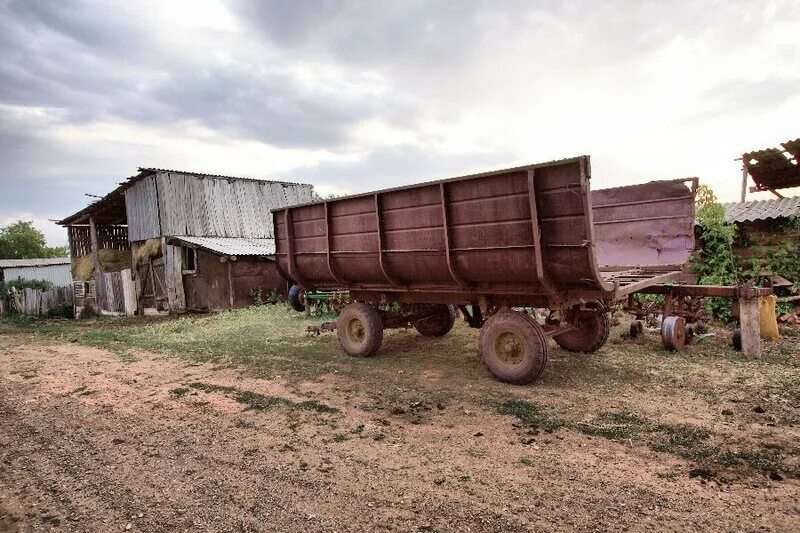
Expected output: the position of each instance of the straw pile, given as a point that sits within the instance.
(110, 261)
(142, 253)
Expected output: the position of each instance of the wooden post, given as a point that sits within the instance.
(230, 282)
(750, 326)
(99, 286)
(744, 181)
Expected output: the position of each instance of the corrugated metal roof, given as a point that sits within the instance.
(228, 245)
(39, 261)
(762, 209)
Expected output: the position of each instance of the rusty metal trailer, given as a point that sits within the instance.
(531, 236)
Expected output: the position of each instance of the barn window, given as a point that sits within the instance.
(189, 260)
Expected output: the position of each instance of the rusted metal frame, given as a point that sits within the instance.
(559, 162)
(446, 228)
(483, 248)
(552, 293)
(381, 256)
(638, 286)
(290, 253)
(562, 328)
(585, 173)
(643, 202)
(328, 246)
(717, 291)
(584, 244)
(639, 219)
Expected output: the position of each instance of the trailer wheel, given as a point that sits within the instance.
(360, 330)
(297, 298)
(437, 320)
(673, 332)
(591, 333)
(513, 347)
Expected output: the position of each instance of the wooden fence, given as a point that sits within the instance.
(33, 302)
(120, 293)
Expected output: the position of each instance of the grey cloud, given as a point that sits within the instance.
(271, 107)
(751, 94)
(397, 165)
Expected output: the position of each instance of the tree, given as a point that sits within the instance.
(21, 240)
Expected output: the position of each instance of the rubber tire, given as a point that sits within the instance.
(535, 345)
(296, 298)
(373, 329)
(593, 333)
(439, 323)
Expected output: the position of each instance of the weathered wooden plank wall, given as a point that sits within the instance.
(192, 205)
(108, 237)
(32, 302)
(120, 296)
(142, 210)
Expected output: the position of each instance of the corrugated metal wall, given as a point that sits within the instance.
(191, 205)
(58, 275)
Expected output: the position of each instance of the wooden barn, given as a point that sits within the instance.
(173, 241)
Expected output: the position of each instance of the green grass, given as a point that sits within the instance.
(261, 402)
(530, 414)
(573, 393)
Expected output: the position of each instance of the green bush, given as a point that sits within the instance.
(714, 262)
(19, 284)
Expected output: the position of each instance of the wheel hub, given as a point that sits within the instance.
(509, 348)
(356, 331)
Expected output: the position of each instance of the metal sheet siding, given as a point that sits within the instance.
(762, 209)
(229, 246)
(192, 205)
(58, 275)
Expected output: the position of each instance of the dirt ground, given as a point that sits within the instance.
(93, 441)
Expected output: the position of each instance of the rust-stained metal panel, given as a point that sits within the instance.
(772, 169)
(476, 236)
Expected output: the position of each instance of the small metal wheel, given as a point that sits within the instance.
(673, 332)
(736, 339)
(636, 330)
(513, 347)
(437, 320)
(297, 298)
(592, 328)
(360, 330)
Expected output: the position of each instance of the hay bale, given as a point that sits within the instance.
(142, 253)
(110, 261)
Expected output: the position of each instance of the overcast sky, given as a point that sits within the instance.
(360, 95)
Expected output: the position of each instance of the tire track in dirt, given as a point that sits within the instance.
(90, 441)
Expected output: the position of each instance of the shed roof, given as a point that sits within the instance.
(775, 168)
(110, 209)
(228, 245)
(38, 261)
(762, 209)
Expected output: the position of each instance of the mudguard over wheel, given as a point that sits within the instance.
(513, 347)
(297, 298)
(591, 333)
(437, 320)
(360, 330)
